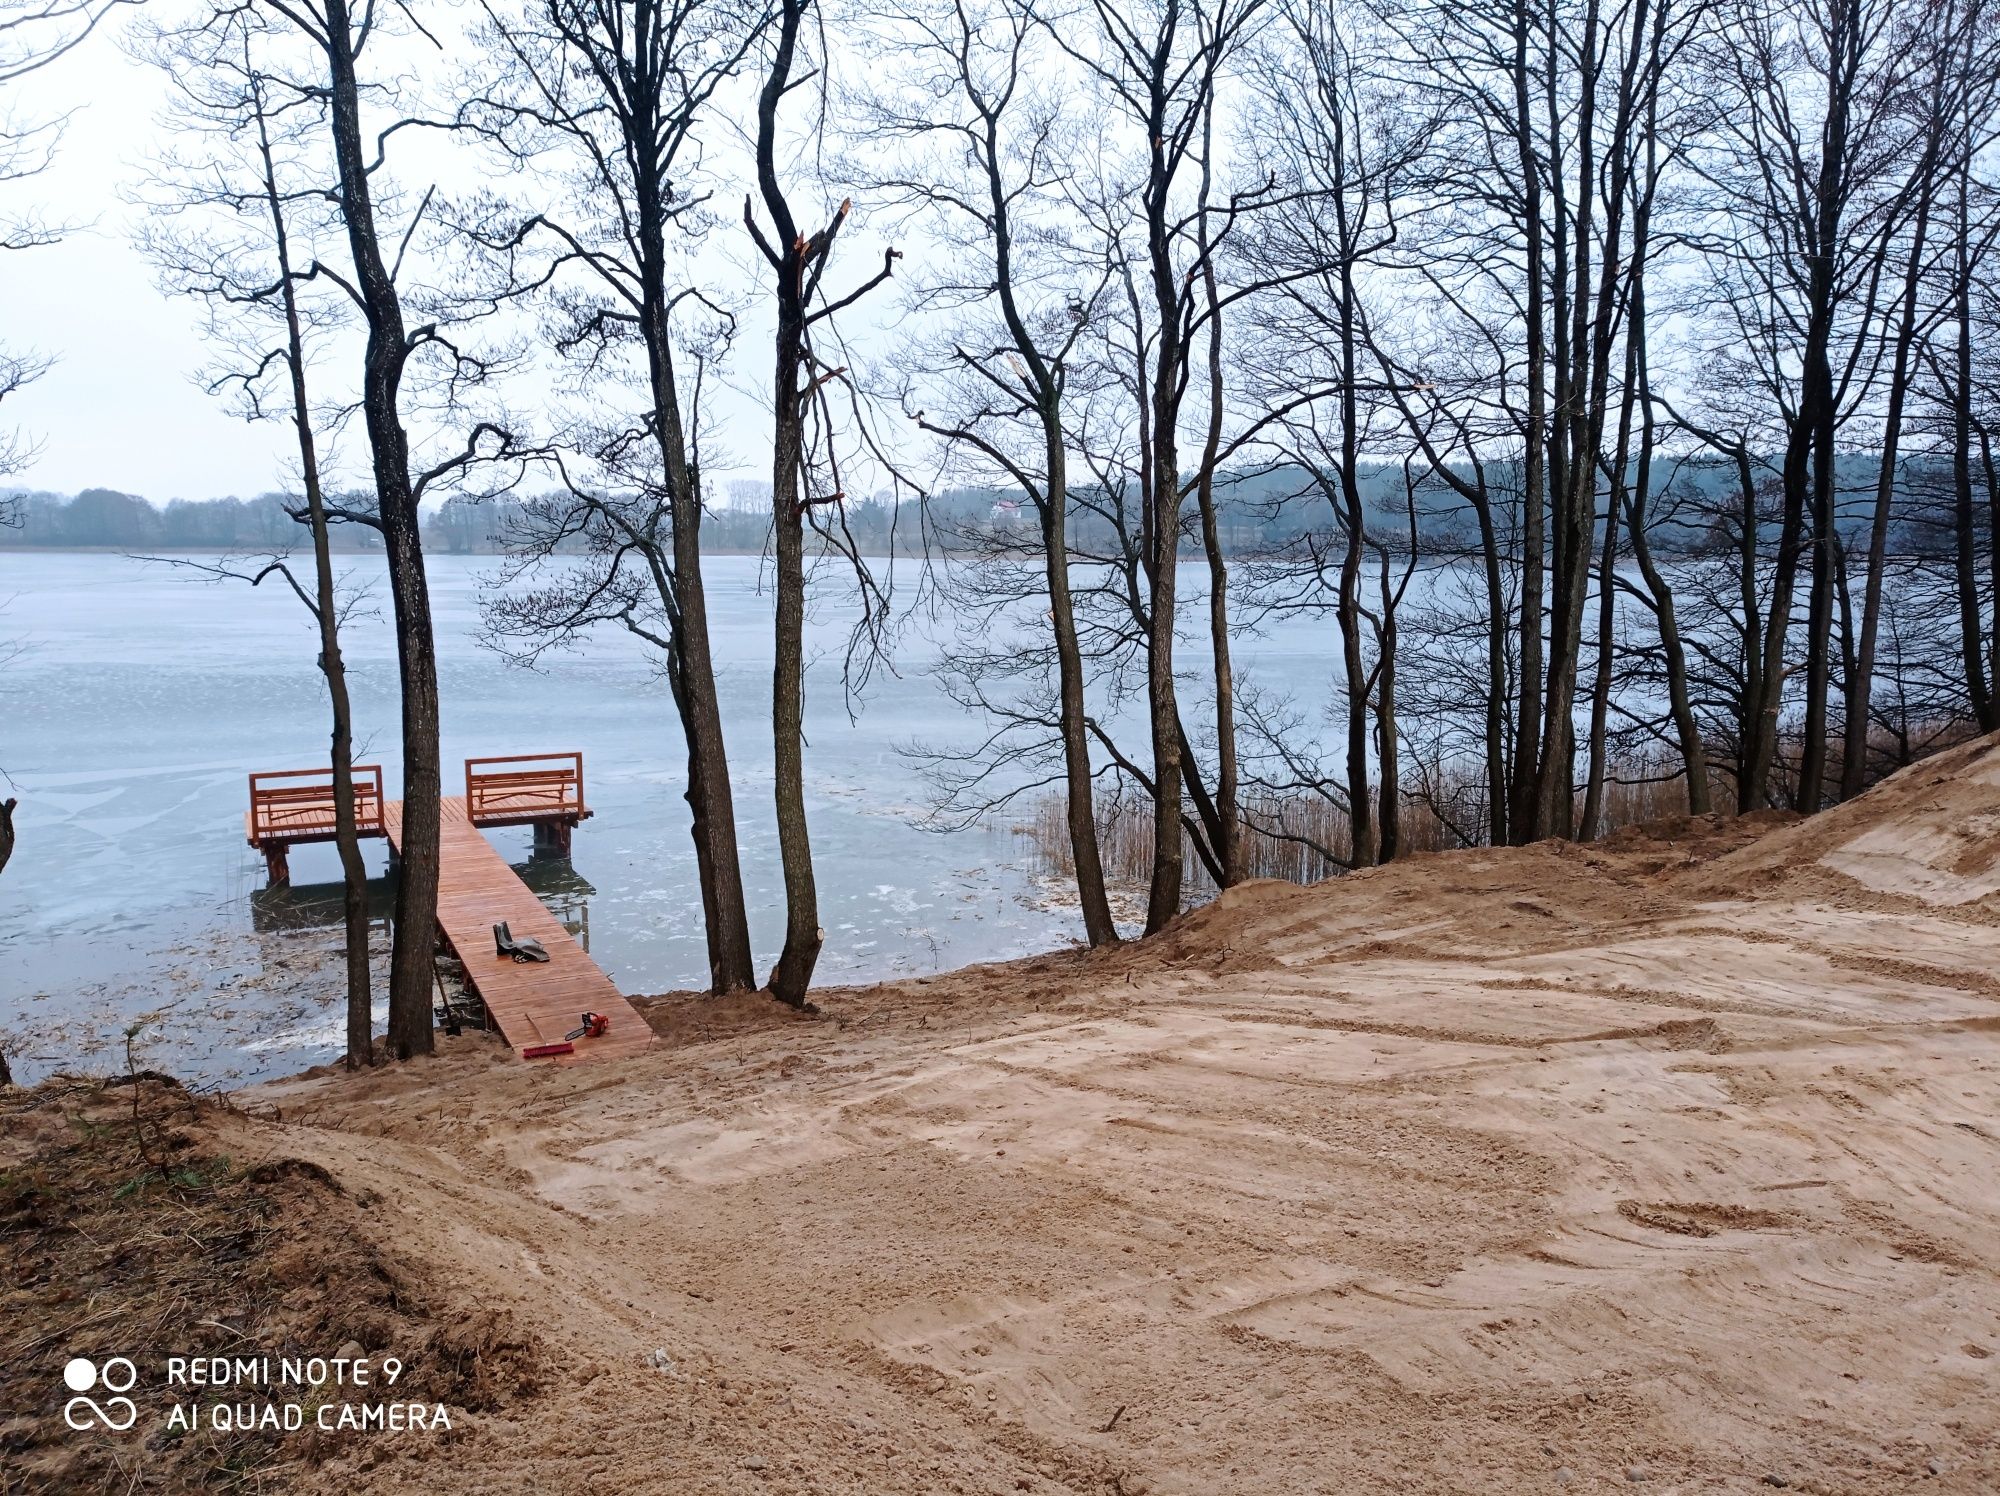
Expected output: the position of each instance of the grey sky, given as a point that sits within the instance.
(118, 410)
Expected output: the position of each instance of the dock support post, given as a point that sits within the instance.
(552, 841)
(277, 865)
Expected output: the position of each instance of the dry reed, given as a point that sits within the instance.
(1304, 836)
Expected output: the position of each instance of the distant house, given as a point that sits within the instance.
(1007, 512)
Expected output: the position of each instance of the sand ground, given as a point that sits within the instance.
(1672, 1163)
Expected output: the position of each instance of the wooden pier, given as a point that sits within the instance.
(532, 1003)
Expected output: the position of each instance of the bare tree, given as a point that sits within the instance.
(1962, 379)
(805, 468)
(231, 244)
(610, 94)
(332, 44)
(1341, 152)
(1954, 77)
(989, 153)
(1808, 124)
(1160, 66)
(34, 34)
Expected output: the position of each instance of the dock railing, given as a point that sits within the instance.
(522, 788)
(296, 805)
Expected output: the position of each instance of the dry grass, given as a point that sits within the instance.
(139, 1221)
(1304, 837)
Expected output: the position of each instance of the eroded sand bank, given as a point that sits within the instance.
(1672, 1163)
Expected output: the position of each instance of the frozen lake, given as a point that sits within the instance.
(141, 697)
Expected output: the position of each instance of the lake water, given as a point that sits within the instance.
(138, 698)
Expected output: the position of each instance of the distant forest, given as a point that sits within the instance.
(1268, 513)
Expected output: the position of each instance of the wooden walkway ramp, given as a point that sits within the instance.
(529, 1002)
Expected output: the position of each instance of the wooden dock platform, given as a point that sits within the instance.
(530, 1002)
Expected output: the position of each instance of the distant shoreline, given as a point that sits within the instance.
(32, 548)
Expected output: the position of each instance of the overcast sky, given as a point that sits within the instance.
(118, 410)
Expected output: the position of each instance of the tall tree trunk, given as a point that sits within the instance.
(1098, 926)
(1761, 755)
(1694, 755)
(1163, 897)
(1497, 779)
(411, 965)
(1600, 691)
(1632, 137)
(1390, 793)
(711, 803)
(1817, 412)
(792, 976)
(1819, 613)
(1228, 836)
(1809, 449)
(793, 256)
(1687, 731)
(1771, 673)
(1985, 701)
(1861, 679)
(326, 611)
(1360, 809)
(1751, 719)
(1523, 816)
(1073, 722)
(1229, 852)
(1353, 517)
(1993, 573)
(1580, 364)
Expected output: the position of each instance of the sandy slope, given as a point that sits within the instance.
(1673, 1162)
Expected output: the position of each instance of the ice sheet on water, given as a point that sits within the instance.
(151, 697)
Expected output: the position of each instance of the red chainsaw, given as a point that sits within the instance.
(593, 1026)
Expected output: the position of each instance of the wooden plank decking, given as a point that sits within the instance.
(296, 805)
(530, 1002)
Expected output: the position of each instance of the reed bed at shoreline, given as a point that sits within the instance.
(1305, 836)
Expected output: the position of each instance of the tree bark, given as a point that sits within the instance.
(1389, 844)
(1818, 417)
(1163, 896)
(1360, 801)
(411, 966)
(1228, 838)
(326, 609)
(1993, 576)
(1079, 789)
(1694, 755)
(1098, 926)
(711, 803)
(1985, 700)
(792, 976)
(1580, 371)
(1600, 690)
(1524, 812)
(794, 257)
(1860, 680)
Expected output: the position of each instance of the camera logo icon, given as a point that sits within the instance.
(83, 1375)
